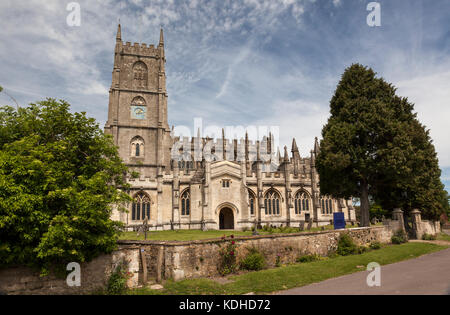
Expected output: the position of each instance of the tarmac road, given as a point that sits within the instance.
(425, 275)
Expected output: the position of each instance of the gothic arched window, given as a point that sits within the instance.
(140, 75)
(251, 202)
(186, 202)
(302, 202)
(272, 202)
(141, 207)
(137, 147)
(327, 205)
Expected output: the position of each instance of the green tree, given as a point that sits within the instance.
(411, 178)
(374, 146)
(376, 211)
(447, 202)
(60, 177)
(446, 206)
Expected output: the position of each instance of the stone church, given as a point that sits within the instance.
(232, 187)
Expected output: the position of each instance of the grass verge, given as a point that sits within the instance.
(191, 235)
(296, 275)
(443, 237)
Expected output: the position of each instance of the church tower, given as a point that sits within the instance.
(137, 114)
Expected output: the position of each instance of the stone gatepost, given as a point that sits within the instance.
(416, 224)
(397, 215)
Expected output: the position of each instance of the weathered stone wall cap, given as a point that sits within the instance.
(240, 238)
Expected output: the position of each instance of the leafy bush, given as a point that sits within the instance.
(376, 211)
(429, 237)
(117, 282)
(278, 261)
(397, 240)
(332, 255)
(362, 249)
(254, 260)
(228, 257)
(399, 237)
(375, 245)
(271, 230)
(60, 176)
(307, 258)
(346, 246)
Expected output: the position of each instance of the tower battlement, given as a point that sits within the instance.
(140, 49)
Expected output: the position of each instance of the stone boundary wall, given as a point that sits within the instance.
(427, 227)
(193, 259)
(394, 225)
(419, 227)
(196, 259)
(94, 276)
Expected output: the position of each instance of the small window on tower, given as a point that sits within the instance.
(140, 75)
(137, 147)
(226, 183)
(138, 151)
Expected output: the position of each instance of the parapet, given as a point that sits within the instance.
(146, 182)
(140, 49)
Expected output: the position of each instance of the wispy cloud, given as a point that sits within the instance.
(241, 57)
(234, 62)
(337, 3)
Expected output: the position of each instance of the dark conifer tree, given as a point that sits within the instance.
(373, 145)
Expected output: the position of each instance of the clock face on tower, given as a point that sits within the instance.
(138, 112)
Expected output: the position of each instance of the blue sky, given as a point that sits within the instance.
(239, 62)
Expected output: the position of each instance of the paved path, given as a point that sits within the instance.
(429, 274)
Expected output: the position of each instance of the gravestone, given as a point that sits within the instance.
(309, 225)
(255, 228)
(204, 226)
(143, 228)
(302, 226)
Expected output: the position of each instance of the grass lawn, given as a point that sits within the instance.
(296, 275)
(190, 235)
(180, 235)
(443, 237)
